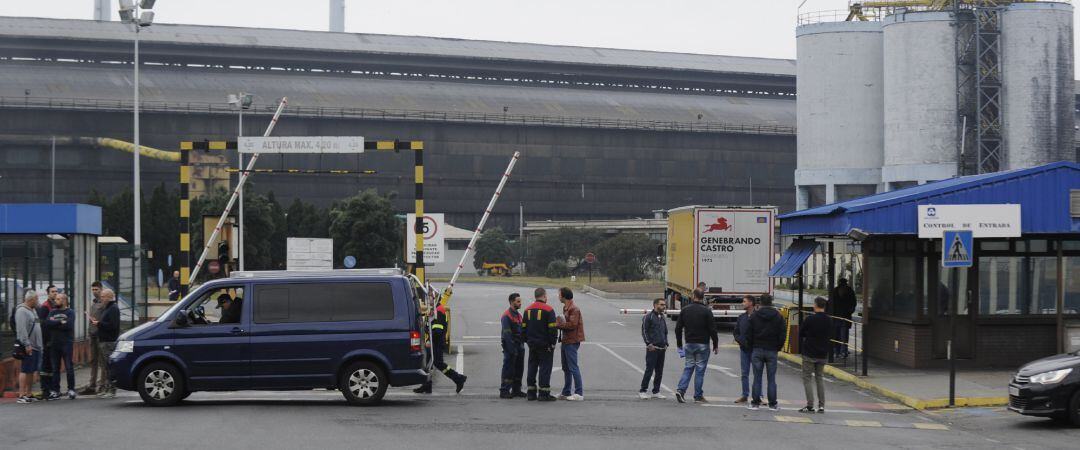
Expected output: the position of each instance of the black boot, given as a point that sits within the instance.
(505, 395)
(545, 396)
(424, 388)
(458, 379)
(532, 394)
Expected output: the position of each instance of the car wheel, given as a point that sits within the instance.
(1074, 409)
(363, 383)
(160, 384)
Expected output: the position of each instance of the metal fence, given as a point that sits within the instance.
(398, 114)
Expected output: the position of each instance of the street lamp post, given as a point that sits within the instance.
(241, 101)
(138, 15)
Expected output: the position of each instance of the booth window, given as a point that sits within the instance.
(1072, 285)
(1017, 285)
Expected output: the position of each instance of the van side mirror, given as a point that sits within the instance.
(181, 319)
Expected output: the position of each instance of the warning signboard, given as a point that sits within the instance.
(957, 249)
(434, 229)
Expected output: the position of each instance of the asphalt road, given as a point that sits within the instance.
(610, 417)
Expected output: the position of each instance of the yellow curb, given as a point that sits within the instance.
(863, 423)
(912, 402)
(930, 426)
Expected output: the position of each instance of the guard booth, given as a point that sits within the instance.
(43, 244)
(1019, 300)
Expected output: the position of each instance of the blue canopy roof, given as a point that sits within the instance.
(793, 258)
(50, 218)
(1042, 193)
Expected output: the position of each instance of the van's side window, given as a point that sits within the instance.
(323, 302)
(219, 306)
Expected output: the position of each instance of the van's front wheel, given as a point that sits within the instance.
(363, 383)
(160, 384)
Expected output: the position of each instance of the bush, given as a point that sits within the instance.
(557, 269)
(564, 244)
(627, 256)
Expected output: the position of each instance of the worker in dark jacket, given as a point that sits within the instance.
(513, 347)
(61, 326)
(814, 345)
(46, 373)
(767, 335)
(700, 327)
(541, 335)
(108, 327)
(841, 306)
(742, 337)
(654, 333)
(438, 345)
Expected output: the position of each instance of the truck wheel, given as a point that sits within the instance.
(160, 384)
(363, 383)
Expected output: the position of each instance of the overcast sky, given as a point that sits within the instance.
(763, 28)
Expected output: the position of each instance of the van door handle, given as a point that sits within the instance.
(236, 330)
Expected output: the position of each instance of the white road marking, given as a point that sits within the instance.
(492, 323)
(618, 323)
(460, 359)
(724, 370)
(632, 365)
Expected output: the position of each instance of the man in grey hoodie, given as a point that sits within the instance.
(28, 332)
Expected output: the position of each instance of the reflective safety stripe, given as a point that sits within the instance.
(545, 389)
(438, 327)
(551, 325)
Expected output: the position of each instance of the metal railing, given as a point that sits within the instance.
(397, 114)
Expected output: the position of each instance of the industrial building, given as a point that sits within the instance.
(604, 133)
(904, 93)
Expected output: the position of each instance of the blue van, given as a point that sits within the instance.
(357, 331)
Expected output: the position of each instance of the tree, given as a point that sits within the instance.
(492, 247)
(366, 227)
(627, 256)
(161, 228)
(559, 245)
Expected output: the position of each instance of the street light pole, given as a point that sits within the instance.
(137, 190)
(240, 159)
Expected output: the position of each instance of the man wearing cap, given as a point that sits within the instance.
(230, 311)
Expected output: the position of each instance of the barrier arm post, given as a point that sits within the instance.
(236, 192)
(449, 291)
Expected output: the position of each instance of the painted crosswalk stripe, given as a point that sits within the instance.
(793, 419)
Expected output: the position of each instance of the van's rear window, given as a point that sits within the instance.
(323, 302)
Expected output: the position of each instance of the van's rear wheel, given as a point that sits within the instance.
(363, 383)
(160, 384)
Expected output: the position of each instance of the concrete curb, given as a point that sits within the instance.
(912, 402)
(620, 296)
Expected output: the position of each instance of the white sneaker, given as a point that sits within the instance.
(643, 396)
(659, 395)
(576, 398)
(72, 394)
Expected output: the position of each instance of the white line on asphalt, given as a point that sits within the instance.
(846, 411)
(632, 365)
(460, 359)
(724, 370)
(618, 323)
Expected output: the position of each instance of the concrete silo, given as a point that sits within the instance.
(1037, 83)
(920, 118)
(839, 111)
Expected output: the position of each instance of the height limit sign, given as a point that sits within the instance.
(957, 248)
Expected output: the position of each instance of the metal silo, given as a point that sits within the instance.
(839, 111)
(920, 98)
(1037, 78)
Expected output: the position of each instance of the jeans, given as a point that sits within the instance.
(512, 368)
(813, 367)
(745, 365)
(62, 354)
(104, 350)
(95, 359)
(571, 371)
(697, 359)
(840, 333)
(654, 364)
(764, 359)
(541, 358)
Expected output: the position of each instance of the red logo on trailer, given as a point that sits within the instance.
(720, 225)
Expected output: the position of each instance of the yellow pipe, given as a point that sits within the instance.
(148, 152)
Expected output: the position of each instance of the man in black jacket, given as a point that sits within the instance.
(654, 333)
(697, 319)
(814, 345)
(767, 334)
(61, 326)
(742, 337)
(108, 329)
(841, 306)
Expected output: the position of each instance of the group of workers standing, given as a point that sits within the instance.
(540, 329)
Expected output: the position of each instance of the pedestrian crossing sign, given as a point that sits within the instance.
(957, 249)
